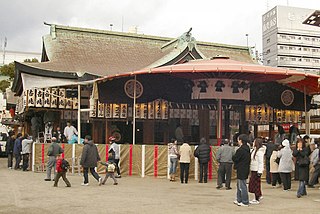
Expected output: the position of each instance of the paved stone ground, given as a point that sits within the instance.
(27, 192)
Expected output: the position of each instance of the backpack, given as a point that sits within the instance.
(65, 165)
(111, 167)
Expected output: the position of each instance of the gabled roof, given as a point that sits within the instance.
(99, 53)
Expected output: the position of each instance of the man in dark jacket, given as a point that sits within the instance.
(17, 148)
(202, 152)
(242, 164)
(9, 148)
(53, 151)
(270, 148)
(89, 159)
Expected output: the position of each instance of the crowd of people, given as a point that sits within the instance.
(248, 156)
(251, 158)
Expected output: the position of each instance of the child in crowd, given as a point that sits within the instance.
(61, 167)
(110, 168)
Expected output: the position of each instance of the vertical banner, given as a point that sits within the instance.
(31, 97)
(100, 109)
(157, 104)
(54, 98)
(189, 113)
(151, 110)
(176, 113)
(155, 159)
(75, 103)
(69, 102)
(183, 113)
(124, 111)
(47, 98)
(195, 114)
(62, 96)
(24, 99)
(108, 109)
(259, 114)
(171, 113)
(279, 116)
(130, 111)
(144, 111)
(165, 110)
(39, 98)
(116, 111)
(93, 107)
(213, 115)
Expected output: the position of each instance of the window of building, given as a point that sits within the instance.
(283, 36)
(282, 58)
(292, 37)
(268, 61)
(307, 38)
(299, 37)
(291, 48)
(316, 61)
(293, 59)
(281, 47)
(307, 60)
(268, 40)
(268, 51)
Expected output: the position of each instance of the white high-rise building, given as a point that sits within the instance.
(289, 43)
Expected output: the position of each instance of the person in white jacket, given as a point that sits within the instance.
(256, 168)
(274, 169)
(26, 150)
(285, 164)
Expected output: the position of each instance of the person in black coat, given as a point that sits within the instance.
(271, 146)
(241, 161)
(9, 148)
(89, 159)
(301, 153)
(202, 152)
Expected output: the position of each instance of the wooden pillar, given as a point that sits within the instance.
(243, 124)
(219, 122)
(227, 124)
(204, 123)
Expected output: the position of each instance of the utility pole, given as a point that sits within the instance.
(4, 49)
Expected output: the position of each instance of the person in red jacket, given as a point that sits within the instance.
(61, 168)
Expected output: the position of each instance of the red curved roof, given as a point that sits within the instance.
(224, 67)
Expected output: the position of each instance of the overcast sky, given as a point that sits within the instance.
(226, 21)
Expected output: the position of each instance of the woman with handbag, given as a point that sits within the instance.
(301, 153)
(274, 168)
(173, 156)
